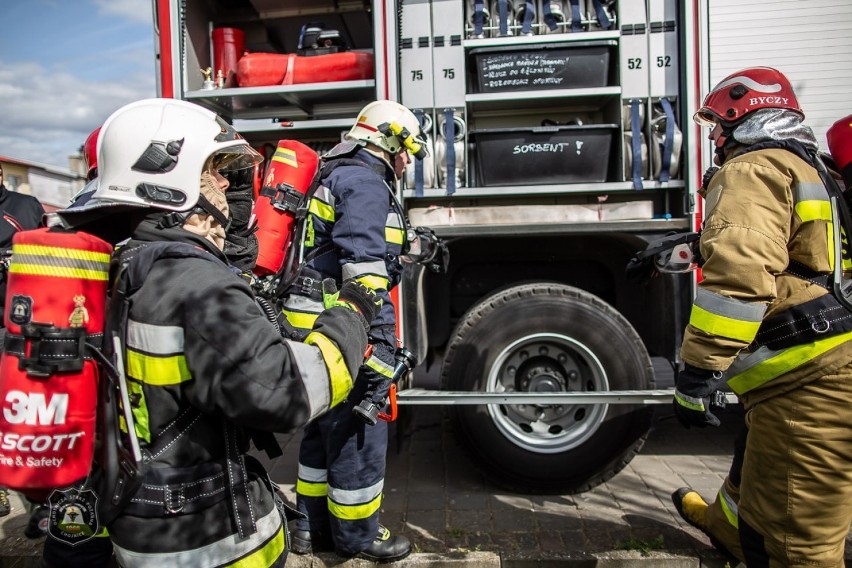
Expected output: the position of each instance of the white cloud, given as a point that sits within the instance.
(135, 10)
(47, 116)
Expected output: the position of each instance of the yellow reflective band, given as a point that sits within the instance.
(285, 156)
(322, 210)
(354, 512)
(394, 236)
(139, 410)
(830, 237)
(300, 320)
(341, 380)
(723, 326)
(309, 489)
(731, 516)
(784, 362)
(263, 557)
(375, 365)
(59, 252)
(688, 402)
(374, 282)
(814, 210)
(59, 271)
(157, 371)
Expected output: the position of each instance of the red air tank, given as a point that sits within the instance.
(55, 302)
(285, 183)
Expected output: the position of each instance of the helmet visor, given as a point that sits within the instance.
(233, 158)
(705, 118)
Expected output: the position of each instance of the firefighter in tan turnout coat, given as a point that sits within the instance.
(765, 321)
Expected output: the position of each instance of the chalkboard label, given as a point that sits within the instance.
(565, 68)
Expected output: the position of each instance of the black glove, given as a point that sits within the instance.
(693, 389)
(345, 327)
(708, 175)
(352, 295)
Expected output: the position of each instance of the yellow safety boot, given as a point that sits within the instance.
(691, 506)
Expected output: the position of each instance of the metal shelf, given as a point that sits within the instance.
(628, 226)
(341, 99)
(593, 98)
(301, 127)
(502, 191)
(540, 38)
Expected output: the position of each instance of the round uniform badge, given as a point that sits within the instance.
(73, 515)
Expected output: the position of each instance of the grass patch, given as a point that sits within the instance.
(643, 546)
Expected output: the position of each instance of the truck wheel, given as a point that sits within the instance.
(547, 337)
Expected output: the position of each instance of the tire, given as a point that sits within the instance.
(548, 337)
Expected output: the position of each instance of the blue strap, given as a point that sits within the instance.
(503, 16)
(418, 164)
(449, 137)
(529, 15)
(576, 18)
(603, 19)
(667, 143)
(636, 136)
(478, 16)
(548, 16)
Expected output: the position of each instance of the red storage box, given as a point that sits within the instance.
(263, 69)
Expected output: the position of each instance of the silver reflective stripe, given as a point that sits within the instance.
(394, 220)
(312, 474)
(746, 361)
(155, 339)
(219, 553)
(296, 303)
(358, 269)
(355, 496)
(324, 194)
(809, 192)
(380, 366)
(729, 307)
(314, 373)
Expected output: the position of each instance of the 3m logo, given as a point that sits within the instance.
(33, 408)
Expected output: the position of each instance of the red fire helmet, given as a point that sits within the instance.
(90, 154)
(839, 138)
(744, 92)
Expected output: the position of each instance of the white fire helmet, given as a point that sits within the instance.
(391, 127)
(151, 153)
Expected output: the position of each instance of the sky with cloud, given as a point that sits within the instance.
(65, 66)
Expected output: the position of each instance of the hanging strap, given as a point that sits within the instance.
(449, 136)
(576, 17)
(603, 19)
(548, 17)
(636, 135)
(418, 164)
(668, 141)
(237, 484)
(529, 16)
(503, 16)
(478, 17)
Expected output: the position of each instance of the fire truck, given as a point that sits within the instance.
(561, 143)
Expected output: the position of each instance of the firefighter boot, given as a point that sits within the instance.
(386, 548)
(310, 542)
(693, 509)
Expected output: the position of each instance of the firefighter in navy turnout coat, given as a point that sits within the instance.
(206, 369)
(765, 320)
(355, 230)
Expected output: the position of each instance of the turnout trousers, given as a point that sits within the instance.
(722, 514)
(341, 475)
(796, 494)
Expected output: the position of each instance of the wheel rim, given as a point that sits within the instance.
(547, 362)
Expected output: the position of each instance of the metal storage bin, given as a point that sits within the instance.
(544, 154)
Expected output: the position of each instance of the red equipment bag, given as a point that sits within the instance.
(55, 304)
(285, 185)
(263, 69)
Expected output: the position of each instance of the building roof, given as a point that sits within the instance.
(42, 166)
